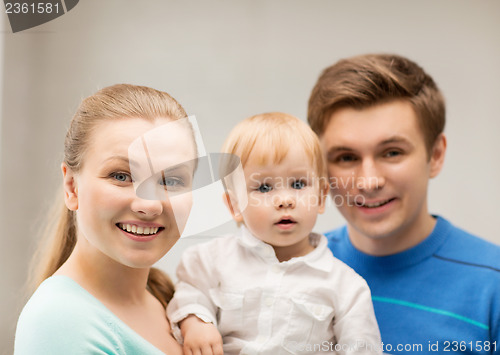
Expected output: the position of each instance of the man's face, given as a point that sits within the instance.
(379, 171)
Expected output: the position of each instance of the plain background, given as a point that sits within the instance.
(224, 61)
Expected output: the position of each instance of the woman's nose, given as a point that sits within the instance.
(147, 208)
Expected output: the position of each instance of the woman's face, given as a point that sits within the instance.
(112, 220)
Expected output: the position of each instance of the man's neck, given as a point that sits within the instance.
(404, 238)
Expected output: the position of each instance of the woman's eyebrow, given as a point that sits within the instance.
(179, 167)
(123, 159)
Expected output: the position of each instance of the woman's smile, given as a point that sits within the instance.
(106, 194)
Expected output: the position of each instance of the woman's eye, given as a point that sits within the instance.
(298, 185)
(170, 182)
(264, 188)
(121, 177)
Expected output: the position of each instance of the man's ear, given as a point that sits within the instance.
(70, 188)
(437, 156)
(232, 206)
(323, 194)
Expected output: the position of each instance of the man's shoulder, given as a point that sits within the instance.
(468, 249)
(336, 235)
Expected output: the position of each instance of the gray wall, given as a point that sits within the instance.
(224, 61)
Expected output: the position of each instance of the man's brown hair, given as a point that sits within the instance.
(367, 80)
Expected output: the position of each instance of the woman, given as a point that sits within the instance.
(97, 291)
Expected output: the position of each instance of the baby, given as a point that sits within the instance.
(275, 288)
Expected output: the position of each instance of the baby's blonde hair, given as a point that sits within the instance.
(268, 137)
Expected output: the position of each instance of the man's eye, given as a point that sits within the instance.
(346, 158)
(298, 185)
(392, 153)
(121, 177)
(264, 188)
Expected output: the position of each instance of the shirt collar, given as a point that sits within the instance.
(320, 258)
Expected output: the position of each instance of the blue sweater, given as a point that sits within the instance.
(62, 318)
(439, 297)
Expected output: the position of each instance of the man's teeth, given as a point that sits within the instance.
(137, 229)
(376, 204)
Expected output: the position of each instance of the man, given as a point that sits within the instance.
(435, 287)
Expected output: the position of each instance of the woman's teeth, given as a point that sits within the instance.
(132, 228)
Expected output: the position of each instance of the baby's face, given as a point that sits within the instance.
(283, 202)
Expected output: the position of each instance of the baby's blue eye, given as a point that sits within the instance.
(264, 188)
(298, 185)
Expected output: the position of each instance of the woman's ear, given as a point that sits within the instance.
(437, 156)
(70, 188)
(231, 204)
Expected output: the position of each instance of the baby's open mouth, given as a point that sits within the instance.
(286, 221)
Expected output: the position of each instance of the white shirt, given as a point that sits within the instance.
(306, 305)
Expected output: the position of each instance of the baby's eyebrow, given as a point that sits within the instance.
(303, 171)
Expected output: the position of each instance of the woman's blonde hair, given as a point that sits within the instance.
(115, 102)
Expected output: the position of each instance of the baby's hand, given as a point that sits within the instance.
(200, 338)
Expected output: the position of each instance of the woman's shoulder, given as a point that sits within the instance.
(59, 297)
(62, 316)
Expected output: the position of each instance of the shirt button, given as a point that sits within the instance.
(276, 268)
(260, 339)
(317, 311)
(268, 301)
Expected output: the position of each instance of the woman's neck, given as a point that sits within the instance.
(105, 278)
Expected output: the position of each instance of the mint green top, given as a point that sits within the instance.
(63, 318)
